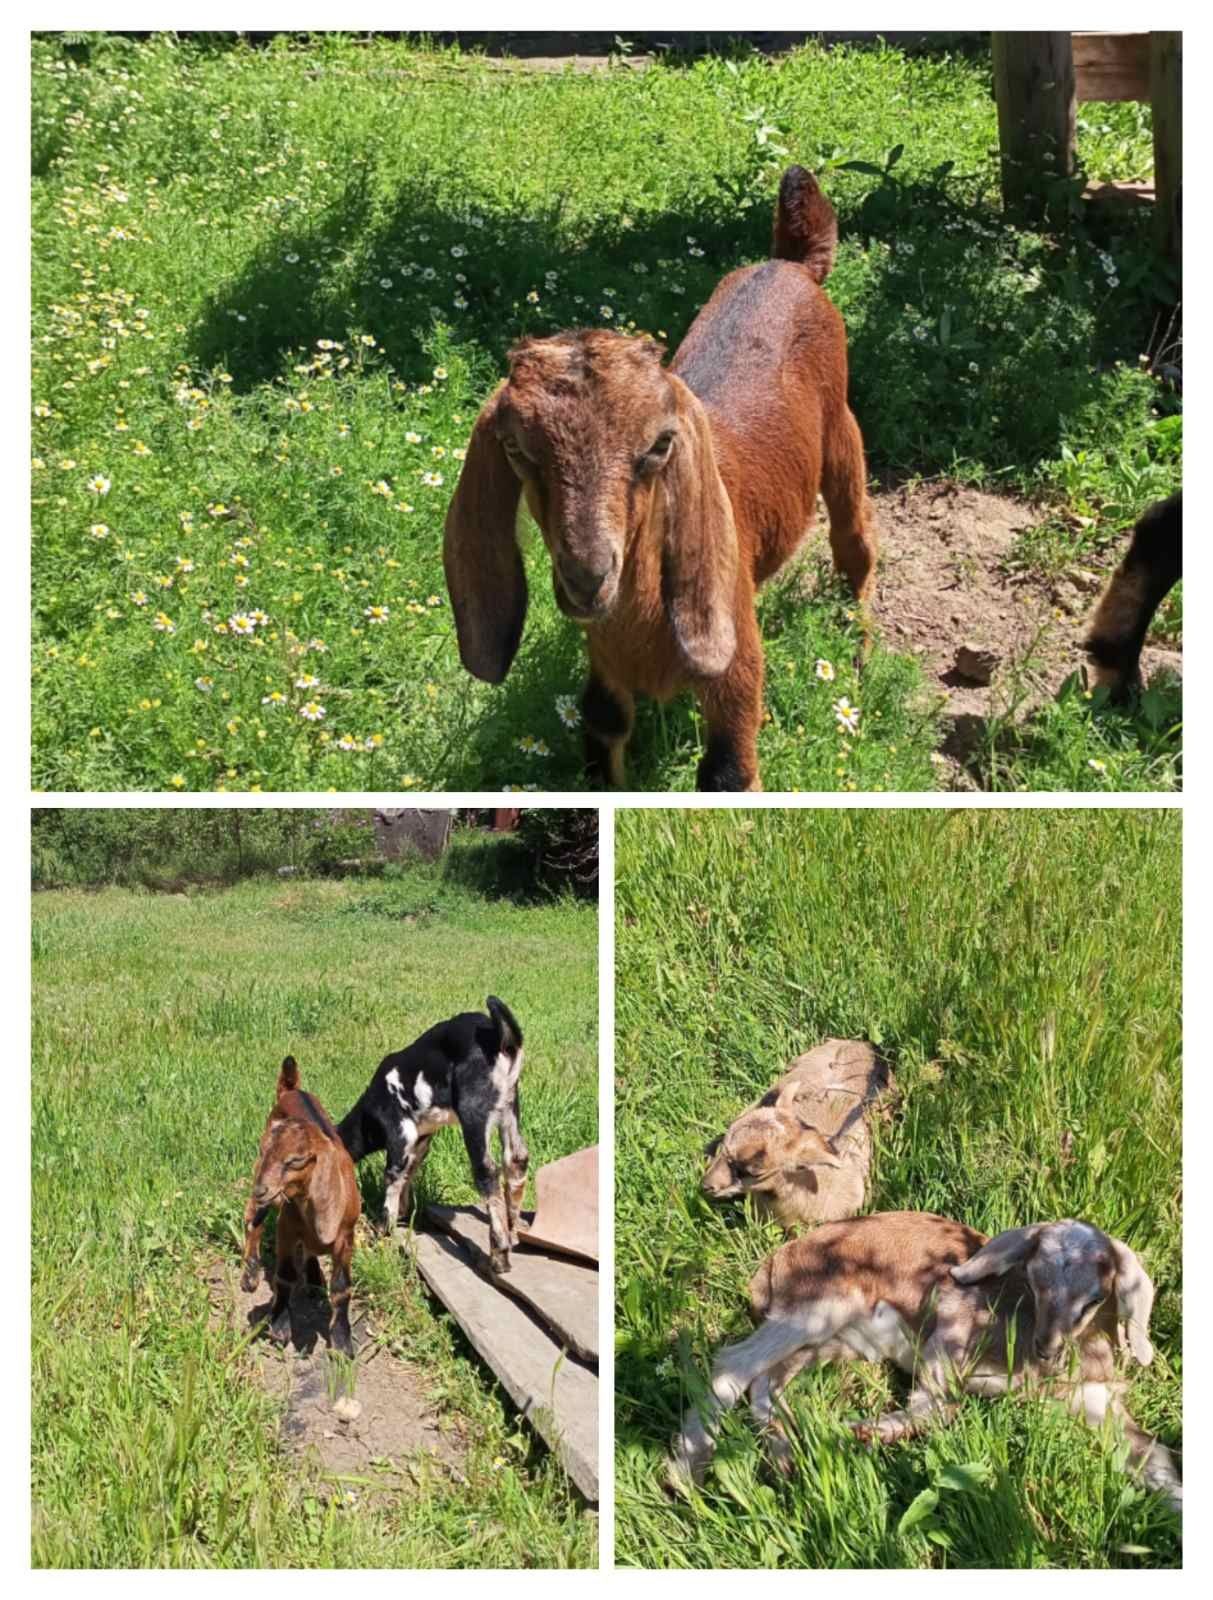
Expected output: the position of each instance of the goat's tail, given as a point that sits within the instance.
(806, 228)
(509, 1033)
(288, 1078)
(1153, 564)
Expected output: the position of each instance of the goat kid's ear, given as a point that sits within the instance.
(1134, 1302)
(713, 1145)
(1003, 1252)
(699, 556)
(484, 571)
(815, 1150)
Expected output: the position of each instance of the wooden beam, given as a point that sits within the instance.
(1112, 66)
(1166, 97)
(1034, 90)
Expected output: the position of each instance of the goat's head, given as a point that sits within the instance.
(1073, 1270)
(761, 1149)
(605, 444)
(287, 1164)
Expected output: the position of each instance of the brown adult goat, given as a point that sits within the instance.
(666, 496)
(304, 1169)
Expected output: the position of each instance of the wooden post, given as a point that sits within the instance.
(1035, 91)
(1166, 68)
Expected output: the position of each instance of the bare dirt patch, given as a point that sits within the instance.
(945, 586)
(389, 1440)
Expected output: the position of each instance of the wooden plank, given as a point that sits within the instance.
(1166, 94)
(563, 1293)
(1034, 89)
(555, 1393)
(1112, 66)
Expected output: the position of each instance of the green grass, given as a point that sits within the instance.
(272, 288)
(1021, 970)
(159, 1026)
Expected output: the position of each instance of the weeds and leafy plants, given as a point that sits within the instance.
(159, 1025)
(1021, 970)
(273, 286)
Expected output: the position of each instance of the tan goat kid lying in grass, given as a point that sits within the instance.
(1043, 1307)
(804, 1151)
(304, 1169)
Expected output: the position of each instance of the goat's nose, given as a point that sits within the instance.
(581, 582)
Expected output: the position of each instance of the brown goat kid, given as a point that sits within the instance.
(805, 1150)
(305, 1171)
(666, 496)
(1043, 1308)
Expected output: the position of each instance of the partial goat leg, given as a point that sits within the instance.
(1149, 1457)
(339, 1295)
(402, 1162)
(732, 709)
(487, 1179)
(516, 1157)
(853, 539)
(609, 714)
(286, 1275)
(739, 1367)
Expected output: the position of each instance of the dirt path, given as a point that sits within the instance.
(388, 1439)
(944, 585)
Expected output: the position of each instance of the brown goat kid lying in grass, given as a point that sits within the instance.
(666, 496)
(805, 1150)
(1043, 1307)
(305, 1171)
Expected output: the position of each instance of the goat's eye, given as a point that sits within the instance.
(515, 452)
(658, 452)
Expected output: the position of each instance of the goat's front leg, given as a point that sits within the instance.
(932, 1401)
(516, 1158)
(609, 714)
(404, 1156)
(732, 709)
(286, 1275)
(1150, 1459)
(487, 1179)
(340, 1336)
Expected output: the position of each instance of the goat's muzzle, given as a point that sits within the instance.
(584, 592)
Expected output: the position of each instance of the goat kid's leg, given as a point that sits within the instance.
(516, 1158)
(739, 1367)
(932, 1400)
(286, 1275)
(609, 714)
(402, 1162)
(764, 1398)
(1149, 1458)
(732, 709)
(844, 487)
(340, 1336)
(487, 1179)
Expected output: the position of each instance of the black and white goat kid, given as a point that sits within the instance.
(463, 1071)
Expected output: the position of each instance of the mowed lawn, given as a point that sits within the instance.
(273, 287)
(1022, 971)
(159, 1025)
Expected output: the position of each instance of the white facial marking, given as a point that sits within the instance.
(408, 1131)
(395, 1087)
(423, 1095)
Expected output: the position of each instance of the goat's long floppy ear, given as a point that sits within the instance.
(327, 1192)
(699, 555)
(815, 1150)
(1004, 1251)
(1134, 1302)
(484, 571)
